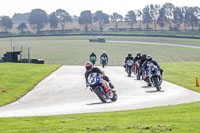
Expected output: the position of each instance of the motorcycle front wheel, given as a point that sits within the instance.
(156, 83)
(100, 94)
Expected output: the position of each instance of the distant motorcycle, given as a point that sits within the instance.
(154, 77)
(137, 70)
(101, 88)
(129, 67)
(93, 59)
(104, 61)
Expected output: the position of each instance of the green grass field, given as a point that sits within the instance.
(183, 118)
(72, 51)
(18, 79)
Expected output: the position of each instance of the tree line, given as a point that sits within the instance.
(156, 15)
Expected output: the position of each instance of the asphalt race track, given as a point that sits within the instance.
(64, 92)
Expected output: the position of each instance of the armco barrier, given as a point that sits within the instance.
(97, 34)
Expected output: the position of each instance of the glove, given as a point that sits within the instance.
(87, 84)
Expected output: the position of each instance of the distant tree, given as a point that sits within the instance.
(162, 18)
(154, 11)
(184, 10)
(130, 18)
(37, 19)
(116, 18)
(169, 9)
(63, 17)
(53, 20)
(101, 18)
(147, 18)
(178, 17)
(85, 19)
(20, 18)
(6, 23)
(21, 27)
(191, 16)
(139, 16)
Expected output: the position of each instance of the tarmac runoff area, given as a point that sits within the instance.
(64, 92)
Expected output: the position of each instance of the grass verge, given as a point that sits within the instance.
(17, 79)
(182, 118)
(183, 74)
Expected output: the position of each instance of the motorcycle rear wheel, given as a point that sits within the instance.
(114, 96)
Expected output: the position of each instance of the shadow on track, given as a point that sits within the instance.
(154, 91)
(147, 86)
(98, 103)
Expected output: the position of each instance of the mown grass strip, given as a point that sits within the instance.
(182, 118)
(17, 79)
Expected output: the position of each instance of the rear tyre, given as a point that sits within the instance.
(114, 96)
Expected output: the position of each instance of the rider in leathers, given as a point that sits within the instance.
(129, 57)
(138, 57)
(104, 55)
(94, 56)
(145, 66)
(149, 60)
(91, 69)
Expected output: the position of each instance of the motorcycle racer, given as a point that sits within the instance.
(149, 60)
(91, 69)
(104, 55)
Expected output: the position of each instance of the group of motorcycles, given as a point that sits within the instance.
(103, 60)
(152, 75)
(99, 86)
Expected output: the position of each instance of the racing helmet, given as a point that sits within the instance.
(89, 66)
(144, 56)
(104, 52)
(149, 58)
(129, 54)
(138, 53)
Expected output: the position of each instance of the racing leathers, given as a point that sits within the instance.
(99, 72)
(145, 66)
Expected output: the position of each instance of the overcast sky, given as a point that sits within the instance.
(74, 7)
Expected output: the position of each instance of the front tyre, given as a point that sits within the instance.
(138, 74)
(103, 64)
(156, 83)
(101, 94)
(129, 71)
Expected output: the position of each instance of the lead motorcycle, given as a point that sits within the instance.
(154, 77)
(101, 88)
(129, 67)
(104, 61)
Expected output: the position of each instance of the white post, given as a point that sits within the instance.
(28, 54)
(21, 48)
(13, 48)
